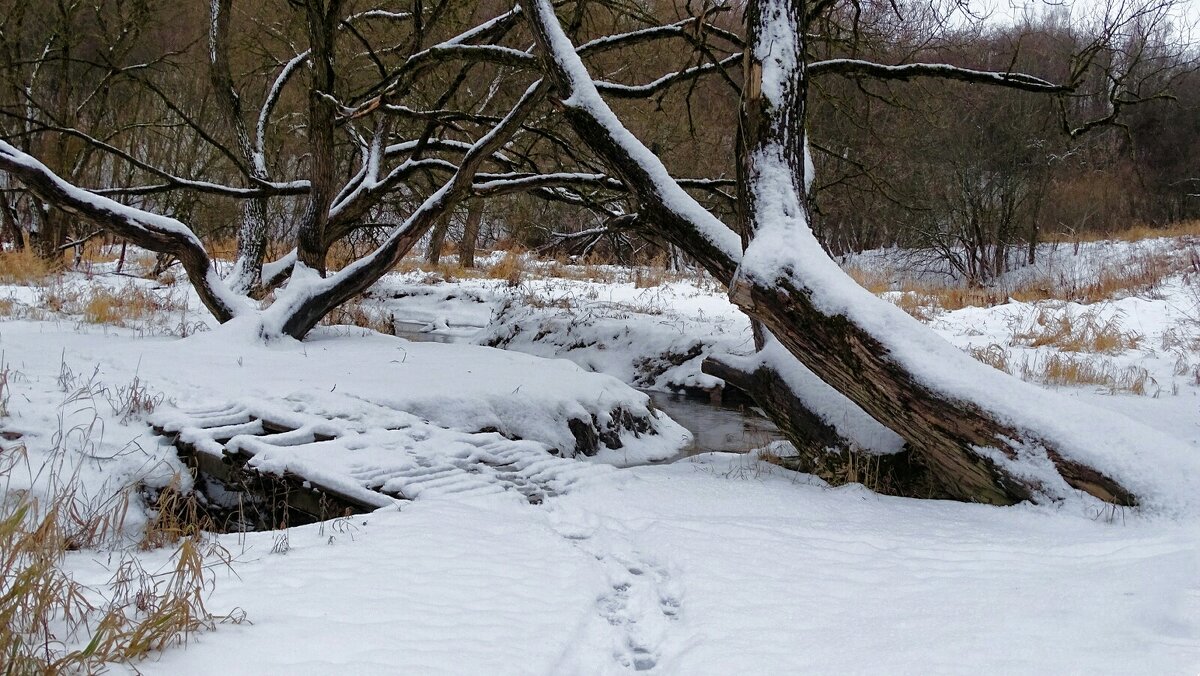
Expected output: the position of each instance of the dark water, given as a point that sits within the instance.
(417, 333)
(732, 429)
(715, 427)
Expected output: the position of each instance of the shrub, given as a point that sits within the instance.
(50, 623)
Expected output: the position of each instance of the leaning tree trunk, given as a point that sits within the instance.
(787, 282)
(150, 231)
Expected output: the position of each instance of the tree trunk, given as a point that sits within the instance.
(437, 240)
(11, 229)
(810, 434)
(312, 245)
(786, 281)
(49, 236)
(252, 232)
(470, 237)
(820, 449)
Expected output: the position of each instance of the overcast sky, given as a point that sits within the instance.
(1006, 10)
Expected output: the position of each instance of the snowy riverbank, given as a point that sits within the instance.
(715, 564)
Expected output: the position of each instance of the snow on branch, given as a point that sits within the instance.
(497, 184)
(910, 71)
(631, 159)
(632, 91)
(146, 229)
(172, 181)
(672, 30)
(264, 114)
(380, 14)
(307, 297)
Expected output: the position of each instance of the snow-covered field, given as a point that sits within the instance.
(715, 564)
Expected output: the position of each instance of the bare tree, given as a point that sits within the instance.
(974, 442)
(426, 141)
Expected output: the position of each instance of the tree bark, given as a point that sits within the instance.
(949, 435)
(470, 236)
(437, 240)
(11, 228)
(252, 232)
(311, 243)
(820, 449)
(808, 432)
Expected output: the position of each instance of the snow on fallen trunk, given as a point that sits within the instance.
(984, 435)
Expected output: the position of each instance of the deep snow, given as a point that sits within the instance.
(715, 564)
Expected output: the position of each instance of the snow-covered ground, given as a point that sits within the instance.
(715, 564)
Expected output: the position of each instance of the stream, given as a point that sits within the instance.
(725, 428)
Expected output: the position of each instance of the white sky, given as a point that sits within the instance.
(1188, 11)
(1185, 13)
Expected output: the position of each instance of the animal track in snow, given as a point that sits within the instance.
(643, 599)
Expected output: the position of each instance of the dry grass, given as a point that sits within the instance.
(875, 280)
(23, 268)
(1134, 233)
(133, 401)
(1079, 370)
(357, 314)
(125, 306)
(861, 468)
(510, 268)
(586, 271)
(222, 249)
(515, 266)
(1079, 341)
(129, 305)
(443, 271)
(1067, 369)
(921, 306)
(6, 375)
(1141, 274)
(51, 624)
(178, 515)
(993, 355)
(153, 311)
(1070, 332)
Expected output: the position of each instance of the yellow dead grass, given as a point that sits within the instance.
(511, 268)
(51, 624)
(1064, 369)
(1138, 275)
(125, 306)
(23, 268)
(1134, 233)
(1074, 332)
